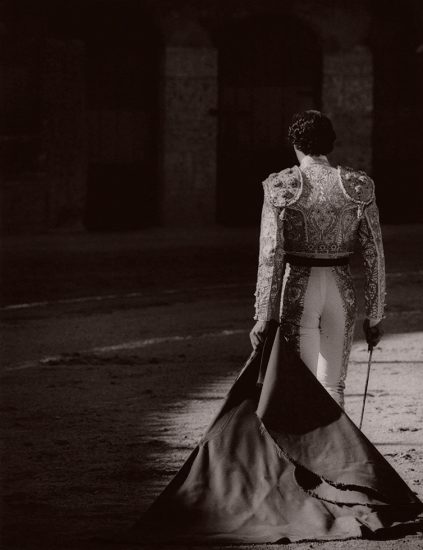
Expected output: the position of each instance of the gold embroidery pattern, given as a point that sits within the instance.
(283, 187)
(271, 264)
(293, 295)
(318, 212)
(371, 248)
(346, 288)
(323, 221)
(357, 186)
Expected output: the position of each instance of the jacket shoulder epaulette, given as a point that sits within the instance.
(357, 185)
(283, 188)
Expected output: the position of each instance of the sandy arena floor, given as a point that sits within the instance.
(119, 354)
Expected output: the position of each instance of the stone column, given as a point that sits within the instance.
(347, 97)
(189, 136)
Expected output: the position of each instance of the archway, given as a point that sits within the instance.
(398, 115)
(269, 68)
(122, 58)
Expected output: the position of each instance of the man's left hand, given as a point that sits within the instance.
(258, 333)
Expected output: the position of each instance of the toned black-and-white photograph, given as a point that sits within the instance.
(211, 274)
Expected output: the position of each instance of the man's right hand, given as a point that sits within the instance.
(258, 333)
(373, 334)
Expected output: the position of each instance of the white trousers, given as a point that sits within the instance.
(318, 315)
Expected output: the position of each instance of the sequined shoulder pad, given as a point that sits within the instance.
(357, 185)
(283, 188)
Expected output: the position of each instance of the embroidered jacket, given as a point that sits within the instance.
(322, 212)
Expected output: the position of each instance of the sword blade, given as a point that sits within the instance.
(369, 364)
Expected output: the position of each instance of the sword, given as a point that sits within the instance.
(367, 383)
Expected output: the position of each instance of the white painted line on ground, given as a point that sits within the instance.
(104, 297)
(73, 300)
(134, 344)
(161, 340)
(404, 273)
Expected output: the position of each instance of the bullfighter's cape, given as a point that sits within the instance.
(280, 462)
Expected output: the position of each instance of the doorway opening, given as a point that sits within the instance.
(122, 59)
(270, 67)
(398, 115)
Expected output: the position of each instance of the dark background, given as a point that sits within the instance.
(123, 114)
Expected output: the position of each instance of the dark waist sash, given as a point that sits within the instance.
(316, 262)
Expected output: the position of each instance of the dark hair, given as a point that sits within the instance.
(312, 133)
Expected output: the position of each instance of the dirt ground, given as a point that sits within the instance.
(116, 351)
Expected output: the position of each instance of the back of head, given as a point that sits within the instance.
(312, 133)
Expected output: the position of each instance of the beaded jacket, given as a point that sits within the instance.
(318, 211)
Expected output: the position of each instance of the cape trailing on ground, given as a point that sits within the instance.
(280, 462)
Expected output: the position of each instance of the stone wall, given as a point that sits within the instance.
(188, 136)
(52, 192)
(347, 98)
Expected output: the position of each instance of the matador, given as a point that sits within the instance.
(314, 217)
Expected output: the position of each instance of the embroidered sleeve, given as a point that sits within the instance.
(270, 264)
(371, 248)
